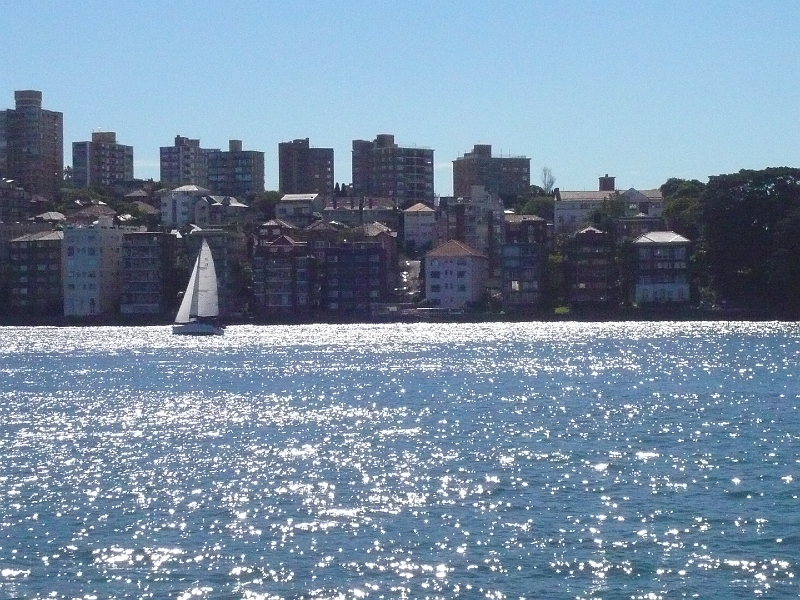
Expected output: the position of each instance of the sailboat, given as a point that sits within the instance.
(199, 309)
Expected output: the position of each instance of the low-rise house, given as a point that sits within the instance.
(661, 268)
(455, 276)
(37, 265)
(210, 211)
(86, 216)
(299, 209)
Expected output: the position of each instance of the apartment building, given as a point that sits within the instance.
(101, 162)
(305, 170)
(32, 145)
(235, 172)
(382, 168)
(504, 176)
(92, 268)
(37, 264)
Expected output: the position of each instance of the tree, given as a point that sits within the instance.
(541, 206)
(264, 204)
(682, 206)
(548, 180)
(751, 223)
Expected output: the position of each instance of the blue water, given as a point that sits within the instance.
(628, 460)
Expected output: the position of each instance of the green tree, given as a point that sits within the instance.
(682, 206)
(751, 223)
(541, 206)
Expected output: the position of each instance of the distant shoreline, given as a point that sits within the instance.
(617, 315)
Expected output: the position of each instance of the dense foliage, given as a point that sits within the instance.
(750, 234)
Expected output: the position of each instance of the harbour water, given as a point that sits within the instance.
(526, 460)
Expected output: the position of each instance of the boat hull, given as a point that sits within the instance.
(196, 329)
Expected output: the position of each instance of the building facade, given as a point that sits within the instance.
(477, 220)
(572, 209)
(503, 176)
(283, 277)
(92, 266)
(32, 145)
(37, 265)
(184, 163)
(661, 268)
(455, 276)
(382, 168)
(149, 272)
(15, 202)
(101, 162)
(236, 172)
(591, 270)
(305, 170)
(419, 229)
(524, 262)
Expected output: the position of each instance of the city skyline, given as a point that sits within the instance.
(670, 89)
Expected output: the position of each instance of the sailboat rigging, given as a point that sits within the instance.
(199, 308)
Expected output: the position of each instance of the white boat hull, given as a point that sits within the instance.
(197, 329)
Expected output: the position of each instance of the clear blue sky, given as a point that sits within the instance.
(642, 91)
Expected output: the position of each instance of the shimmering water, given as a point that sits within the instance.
(629, 460)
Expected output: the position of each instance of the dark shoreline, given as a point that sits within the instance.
(596, 316)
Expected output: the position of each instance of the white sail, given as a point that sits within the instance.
(201, 298)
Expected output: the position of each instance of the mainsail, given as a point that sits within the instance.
(201, 298)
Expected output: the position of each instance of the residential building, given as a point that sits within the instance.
(382, 168)
(476, 220)
(524, 262)
(15, 202)
(504, 176)
(8, 232)
(32, 145)
(354, 211)
(275, 228)
(661, 268)
(305, 170)
(212, 211)
(299, 209)
(150, 282)
(283, 277)
(178, 205)
(37, 265)
(354, 277)
(229, 250)
(591, 273)
(101, 162)
(573, 208)
(455, 276)
(236, 172)
(92, 266)
(184, 163)
(419, 229)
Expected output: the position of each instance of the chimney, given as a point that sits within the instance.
(235, 146)
(607, 184)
